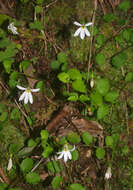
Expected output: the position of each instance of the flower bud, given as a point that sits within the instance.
(92, 83)
(108, 173)
(9, 165)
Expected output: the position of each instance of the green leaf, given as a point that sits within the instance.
(13, 148)
(40, 85)
(44, 135)
(100, 153)
(24, 65)
(3, 18)
(109, 141)
(75, 155)
(125, 5)
(54, 166)
(84, 98)
(15, 114)
(64, 66)
(63, 77)
(109, 17)
(76, 186)
(102, 111)
(7, 65)
(4, 43)
(103, 86)
(3, 186)
(39, 1)
(33, 178)
(38, 9)
(96, 99)
(55, 65)
(119, 60)
(74, 74)
(127, 34)
(61, 57)
(25, 151)
(111, 96)
(56, 182)
(13, 79)
(116, 138)
(87, 138)
(36, 25)
(73, 138)
(100, 59)
(47, 151)
(31, 143)
(129, 77)
(79, 86)
(73, 97)
(26, 165)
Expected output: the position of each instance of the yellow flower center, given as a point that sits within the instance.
(83, 26)
(65, 148)
(28, 90)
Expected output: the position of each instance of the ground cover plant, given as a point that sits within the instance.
(66, 104)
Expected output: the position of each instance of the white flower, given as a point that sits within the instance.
(9, 164)
(12, 28)
(108, 173)
(82, 30)
(65, 153)
(27, 95)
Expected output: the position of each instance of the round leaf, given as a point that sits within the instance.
(75, 155)
(74, 74)
(109, 141)
(33, 178)
(102, 111)
(73, 138)
(87, 138)
(79, 86)
(55, 65)
(63, 77)
(26, 165)
(96, 99)
(103, 86)
(76, 186)
(100, 153)
(56, 182)
(61, 57)
(111, 96)
(100, 59)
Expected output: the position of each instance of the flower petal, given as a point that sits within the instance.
(88, 24)
(26, 98)
(30, 97)
(77, 32)
(61, 155)
(66, 156)
(69, 155)
(35, 90)
(87, 32)
(82, 34)
(20, 87)
(77, 23)
(22, 96)
(73, 148)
